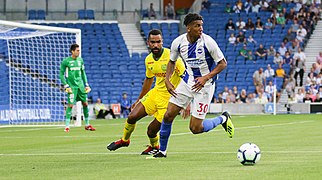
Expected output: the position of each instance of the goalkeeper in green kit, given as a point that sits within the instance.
(75, 84)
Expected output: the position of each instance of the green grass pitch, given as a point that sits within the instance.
(291, 147)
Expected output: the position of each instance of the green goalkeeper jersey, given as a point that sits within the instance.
(75, 75)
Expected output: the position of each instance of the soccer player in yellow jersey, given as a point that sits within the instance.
(155, 101)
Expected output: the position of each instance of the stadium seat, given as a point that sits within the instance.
(81, 14)
(41, 14)
(32, 14)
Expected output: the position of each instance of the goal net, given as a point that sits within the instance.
(32, 54)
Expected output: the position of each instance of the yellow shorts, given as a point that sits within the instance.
(156, 103)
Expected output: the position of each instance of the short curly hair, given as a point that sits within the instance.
(191, 17)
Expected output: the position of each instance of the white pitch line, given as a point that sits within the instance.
(136, 153)
(175, 134)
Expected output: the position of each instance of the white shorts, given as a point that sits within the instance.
(200, 101)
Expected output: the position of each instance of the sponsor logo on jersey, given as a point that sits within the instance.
(194, 62)
(199, 51)
(151, 62)
(159, 74)
(164, 67)
(75, 68)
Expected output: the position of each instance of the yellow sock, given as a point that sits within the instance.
(127, 131)
(154, 141)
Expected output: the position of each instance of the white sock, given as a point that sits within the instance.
(224, 119)
(164, 152)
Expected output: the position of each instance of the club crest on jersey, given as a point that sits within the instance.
(199, 51)
(164, 67)
(183, 50)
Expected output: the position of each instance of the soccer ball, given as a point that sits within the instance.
(249, 154)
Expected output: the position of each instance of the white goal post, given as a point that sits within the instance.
(33, 56)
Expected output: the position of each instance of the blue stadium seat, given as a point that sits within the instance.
(41, 14)
(81, 14)
(32, 14)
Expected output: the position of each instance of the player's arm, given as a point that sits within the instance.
(62, 76)
(174, 54)
(147, 84)
(84, 77)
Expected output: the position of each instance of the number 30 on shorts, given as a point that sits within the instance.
(202, 108)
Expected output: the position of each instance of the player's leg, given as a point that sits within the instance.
(200, 106)
(136, 114)
(152, 133)
(161, 104)
(82, 96)
(71, 99)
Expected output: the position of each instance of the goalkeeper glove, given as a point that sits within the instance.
(68, 89)
(87, 88)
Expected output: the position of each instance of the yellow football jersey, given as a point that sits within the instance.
(158, 69)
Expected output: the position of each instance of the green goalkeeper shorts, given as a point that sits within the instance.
(77, 95)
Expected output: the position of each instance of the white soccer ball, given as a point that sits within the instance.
(249, 154)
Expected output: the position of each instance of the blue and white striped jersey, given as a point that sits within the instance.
(200, 58)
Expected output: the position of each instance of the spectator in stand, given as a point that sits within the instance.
(263, 5)
(289, 36)
(250, 56)
(280, 72)
(205, 4)
(261, 99)
(299, 67)
(278, 59)
(271, 51)
(228, 8)
(256, 7)
(300, 55)
(251, 98)
(240, 38)
(230, 98)
(319, 79)
(248, 6)
(219, 99)
(101, 111)
(282, 49)
(295, 26)
(301, 33)
(269, 89)
(290, 15)
(249, 25)
(301, 14)
(240, 24)
(307, 98)
(125, 106)
(288, 60)
(259, 77)
(310, 79)
(152, 12)
(251, 40)
(318, 98)
(315, 69)
(261, 52)
(244, 52)
(170, 13)
(290, 86)
(299, 96)
(269, 24)
(236, 93)
(237, 8)
(281, 20)
(225, 93)
(274, 17)
(243, 96)
(232, 39)
(259, 25)
(230, 25)
(269, 72)
(293, 48)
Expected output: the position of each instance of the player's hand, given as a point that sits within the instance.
(87, 89)
(185, 113)
(68, 89)
(199, 83)
(171, 89)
